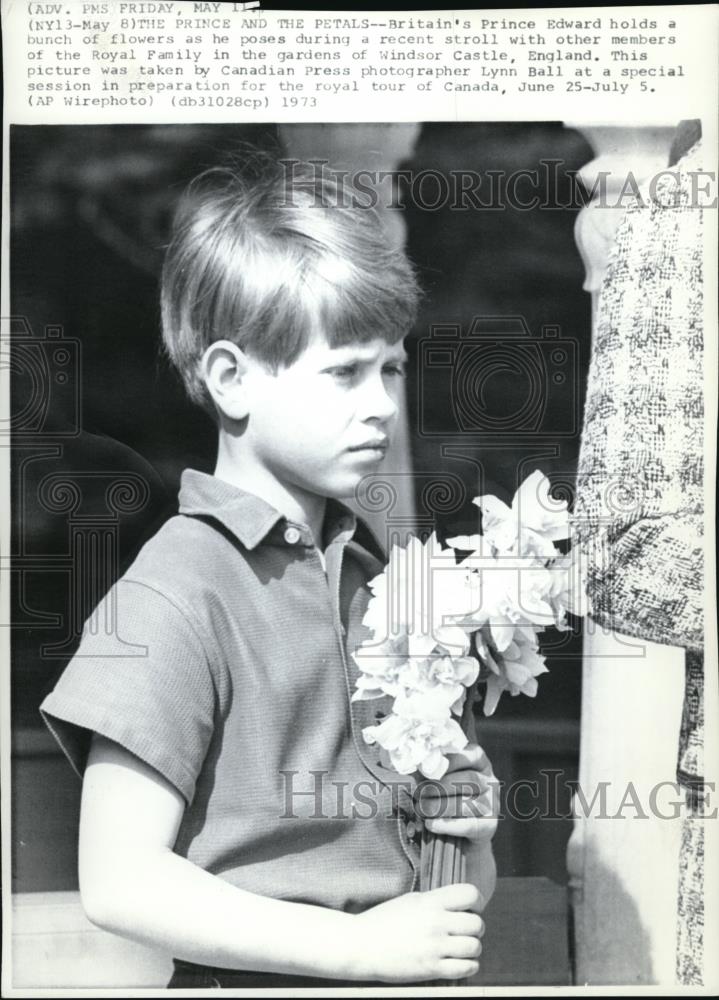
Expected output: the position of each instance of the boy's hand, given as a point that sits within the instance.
(465, 802)
(420, 936)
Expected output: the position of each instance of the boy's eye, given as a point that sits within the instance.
(348, 372)
(343, 371)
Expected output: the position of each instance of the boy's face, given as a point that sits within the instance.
(325, 421)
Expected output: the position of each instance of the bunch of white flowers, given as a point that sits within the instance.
(437, 616)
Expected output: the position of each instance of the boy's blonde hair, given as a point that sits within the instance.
(266, 256)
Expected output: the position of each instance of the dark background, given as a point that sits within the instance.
(90, 212)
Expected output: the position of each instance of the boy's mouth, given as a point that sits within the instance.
(377, 445)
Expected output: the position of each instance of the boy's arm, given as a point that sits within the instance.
(132, 883)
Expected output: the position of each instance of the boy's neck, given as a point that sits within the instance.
(296, 504)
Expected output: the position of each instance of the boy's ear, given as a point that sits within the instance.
(222, 368)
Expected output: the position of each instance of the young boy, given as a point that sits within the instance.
(231, 812)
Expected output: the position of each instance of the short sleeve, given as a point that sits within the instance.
(140, 677)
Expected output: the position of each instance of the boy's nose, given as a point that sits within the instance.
(378, 403)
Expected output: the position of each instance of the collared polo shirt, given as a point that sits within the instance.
(222, 659)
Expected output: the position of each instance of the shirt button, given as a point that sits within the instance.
(292, 536)
(411, 830)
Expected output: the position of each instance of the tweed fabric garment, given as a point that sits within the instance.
(690, 929)
(639, 506)
(228, 673)
(640, 477)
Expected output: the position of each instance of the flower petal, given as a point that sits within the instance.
(434, 765)
(492, 695)
(467, 543)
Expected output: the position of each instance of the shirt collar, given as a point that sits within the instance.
(251, 519)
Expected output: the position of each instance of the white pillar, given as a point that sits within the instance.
(624, 871)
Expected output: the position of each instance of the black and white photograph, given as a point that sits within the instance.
(357, 555)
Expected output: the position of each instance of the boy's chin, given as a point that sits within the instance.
(344, 491)
(345, 487)
(344, 481)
